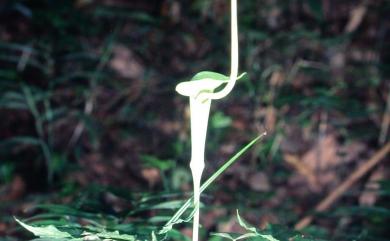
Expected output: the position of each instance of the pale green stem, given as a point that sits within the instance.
(199, 119)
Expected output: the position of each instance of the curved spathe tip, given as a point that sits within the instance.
(193, 88)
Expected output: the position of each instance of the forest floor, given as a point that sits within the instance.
(92, 124)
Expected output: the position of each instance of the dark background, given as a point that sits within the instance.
(90, 118)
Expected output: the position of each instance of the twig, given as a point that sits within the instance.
(356, 175)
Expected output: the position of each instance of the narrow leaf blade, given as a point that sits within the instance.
(45, 232)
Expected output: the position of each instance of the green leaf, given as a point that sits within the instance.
(247, 235)
(13, 100)
(236, 236)
(254, 230)
(154, 238)
(116, 235)
(152, 161)
(57, 239)
(244, 224)
(24, 140)
(45, 232)
(176, 217)
(223, 235)
(316, 8)
(210, 75)
(168, 205)
(220, 120)
(205, 81)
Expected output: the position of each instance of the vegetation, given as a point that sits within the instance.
(95, 145)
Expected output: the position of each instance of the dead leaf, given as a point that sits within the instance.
(168, 127)
(322, 158)
(267, 219)
(152, 175)
(259, 182)
(323, 155)
(277, 78)
(125, 63)
(302, 169)
(356, 17)
(175, 11)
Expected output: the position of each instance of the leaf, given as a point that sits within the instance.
(53, 114)
(220, 120)
(238, 237)
(57, 239)
(25, 140)
(223, 235)
(267, 237)
(316, 8)
(154, 238)
(158, 219)
(45, 232)
(254, 230)
(247, 235)
(152, 161)
(210, 75)
(167, 205)
(116, 235)
(176, 217)
(13, 100)
(230, 162)
(176, 235)
(13, 105)
(205, 81)
(244, 224)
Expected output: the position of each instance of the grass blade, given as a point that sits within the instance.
(176, 217)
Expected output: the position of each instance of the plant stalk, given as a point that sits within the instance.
(234, 55)
(200, 109)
